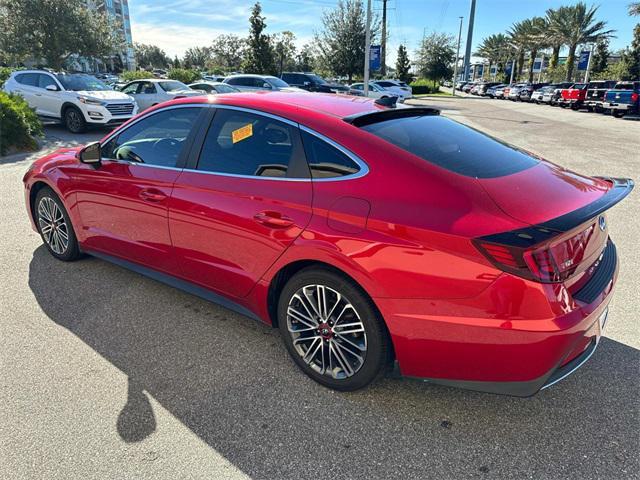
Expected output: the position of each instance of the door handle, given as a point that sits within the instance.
(152, 195)
(273, 219)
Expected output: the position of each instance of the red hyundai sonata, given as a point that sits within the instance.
(367, 234)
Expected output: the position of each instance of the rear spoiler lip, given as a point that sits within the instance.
(530, 236)
(401, 111)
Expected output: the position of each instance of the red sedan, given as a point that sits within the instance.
(368, 234)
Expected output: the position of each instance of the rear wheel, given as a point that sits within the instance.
(617, 113)
(332, 330)
(55, 226)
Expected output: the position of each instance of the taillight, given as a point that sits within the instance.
(634, 97)
(551, 262)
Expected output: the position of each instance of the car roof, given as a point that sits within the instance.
(252, 75)
(293, 105)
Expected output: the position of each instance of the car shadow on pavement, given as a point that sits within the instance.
(229, 380)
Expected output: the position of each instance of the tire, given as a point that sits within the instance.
(346, 359)
(617, 113)
(48, 210)
(74, 120)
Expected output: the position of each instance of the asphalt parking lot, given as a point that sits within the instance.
(108, 375)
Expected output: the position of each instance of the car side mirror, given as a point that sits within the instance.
(51, 88)
(266, 85)
(91, 154)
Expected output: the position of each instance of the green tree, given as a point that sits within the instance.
(305, 60)
(228, 52)
(436, 56)
(600, 57)
(403, 64)
(259, 57)
(342, 39)
(176, 62)
(634, 9)
(284, 49)
(150, 56)
(632, 56)
(55, 30)
(497, 50)
(197, 57)
(556, 32)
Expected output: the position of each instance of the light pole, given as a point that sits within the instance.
(586, 73)
(467, 55)
(367, 48)
(513, 70)
(455, 66)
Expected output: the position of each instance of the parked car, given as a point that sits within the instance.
(395, 86)
(462, 251)
(556, 95)
(213, 87)
(77, 100)
(514, 91)
(505, 91)
(482, 89)
(159, 73)
(460, 84)
(313, 83)
(376, 91)
(573, 96)
(447, 83)
(526, 91)
(498, 92)
(623, 98)
(214, 78)
(468, 86)
(153, 91)
(594, 97)
(538, 95)
(250, 82)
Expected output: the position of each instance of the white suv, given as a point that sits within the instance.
(76, 99)
(399, 88)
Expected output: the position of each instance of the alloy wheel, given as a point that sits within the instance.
(74, 121)
(53, 225)
(327, 331)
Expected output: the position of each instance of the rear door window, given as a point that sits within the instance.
(450, 145)
(325, 160)
(30, 79)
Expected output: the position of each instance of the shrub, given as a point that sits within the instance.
(130, 75)
(184, 75)
(19, 124)
(423, 86)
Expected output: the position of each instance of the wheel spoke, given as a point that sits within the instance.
(355, 345)
(311, 301)
(344, 348)
(348, 306)
(313, 349)
(342, 361)
(355, 327)
(302, 318)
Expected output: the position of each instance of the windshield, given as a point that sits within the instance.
(224, 88)
(317, 79)
(81, 82)
(173, 85)
(276, 82)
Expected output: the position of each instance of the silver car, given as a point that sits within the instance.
(152, 91)
(250, 82)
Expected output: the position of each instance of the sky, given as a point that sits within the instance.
(175, 25)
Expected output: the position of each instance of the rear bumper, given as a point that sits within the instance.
(619, 106)
(516, 338)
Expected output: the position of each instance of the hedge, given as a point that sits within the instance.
(19, 124)
(423, 86)
(130, 75)
(184, 75)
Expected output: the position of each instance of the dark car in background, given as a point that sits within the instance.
(623, 98)
(527, 91)
(594, 97)
(312, 83)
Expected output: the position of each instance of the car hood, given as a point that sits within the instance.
(104, 94)
(543, 192)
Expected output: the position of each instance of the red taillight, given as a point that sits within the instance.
(554, 261)
(634, 97)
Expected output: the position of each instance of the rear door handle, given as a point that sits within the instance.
(152, 195)
(273, 219)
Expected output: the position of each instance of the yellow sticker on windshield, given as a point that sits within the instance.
(242, 133)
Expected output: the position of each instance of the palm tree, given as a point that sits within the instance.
(634, 9)
(495, 49)
(522, 36)
(537, 41)
(556, 33)
(576, 26)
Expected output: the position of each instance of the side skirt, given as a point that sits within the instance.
(177, 283)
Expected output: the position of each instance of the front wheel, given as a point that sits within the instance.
(55, 226)
(332, 330)
(74, 120)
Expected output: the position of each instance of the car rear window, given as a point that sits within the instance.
(453, 146)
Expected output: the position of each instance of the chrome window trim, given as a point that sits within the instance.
(364, 168)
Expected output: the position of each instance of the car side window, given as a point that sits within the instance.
(155, 140)
(131, 89)
(45, 80)
(30, 79)
(242, 143)
(147, 88)
(325, 160)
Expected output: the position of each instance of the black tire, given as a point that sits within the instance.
(377, 354)
(42, 205)
(74, 120)
(617, 113)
